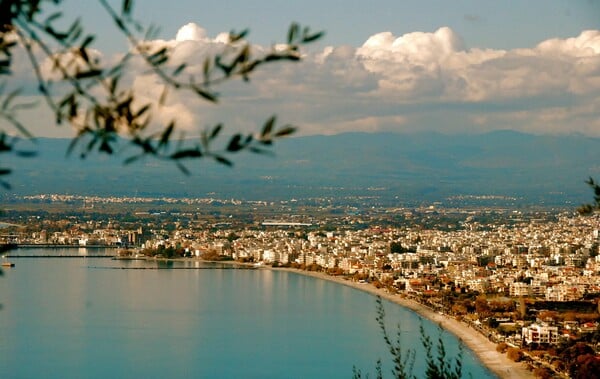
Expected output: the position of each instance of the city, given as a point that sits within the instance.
(223, 191)
(527, 279)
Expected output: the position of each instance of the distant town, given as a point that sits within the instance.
(526, 278)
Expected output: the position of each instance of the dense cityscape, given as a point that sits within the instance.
(528, 278)
(222, 191)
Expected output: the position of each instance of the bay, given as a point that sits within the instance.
(95, 318)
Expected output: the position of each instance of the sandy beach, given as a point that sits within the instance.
(484, 349)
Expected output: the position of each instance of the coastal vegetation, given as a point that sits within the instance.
(162, 251)
(438, 364)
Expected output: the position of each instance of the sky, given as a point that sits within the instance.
(383, 65)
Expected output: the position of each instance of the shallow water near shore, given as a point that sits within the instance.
(95, 318)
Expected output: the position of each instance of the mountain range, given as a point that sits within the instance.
(421, 167)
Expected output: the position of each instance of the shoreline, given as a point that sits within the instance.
(484, 350)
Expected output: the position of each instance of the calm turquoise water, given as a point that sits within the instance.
(90, 318)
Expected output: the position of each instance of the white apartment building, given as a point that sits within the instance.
(536, 333)
(565, 292)
(520, 289)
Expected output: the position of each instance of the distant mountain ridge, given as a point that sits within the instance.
(420, 166)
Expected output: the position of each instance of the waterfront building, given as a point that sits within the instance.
(540, 334)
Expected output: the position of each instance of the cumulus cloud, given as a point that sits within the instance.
(190, 32)
(437, 67)
(433, 81)
(554, 81)
(411, 82)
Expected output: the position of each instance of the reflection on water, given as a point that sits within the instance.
(72, 251)
(76, 318)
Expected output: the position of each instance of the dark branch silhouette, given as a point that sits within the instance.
(93, 97)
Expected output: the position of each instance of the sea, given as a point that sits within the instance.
(90, 316)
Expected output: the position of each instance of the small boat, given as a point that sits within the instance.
(8, 264)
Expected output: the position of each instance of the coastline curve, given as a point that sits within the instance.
(484, 349)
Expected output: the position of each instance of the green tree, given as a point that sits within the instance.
(396, 248)
(481, 306)
(575, 356)
(587, 209)
(95, 98)
(514, 354)
(587, 367)
(438, 364)
(543, 373)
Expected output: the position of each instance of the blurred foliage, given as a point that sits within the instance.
(438, 364)
(94, 98)
(587, 209)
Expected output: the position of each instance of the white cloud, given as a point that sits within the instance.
(416, 81)
(190, 32)
(410, 81)
(587, 44)
(436, 67)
